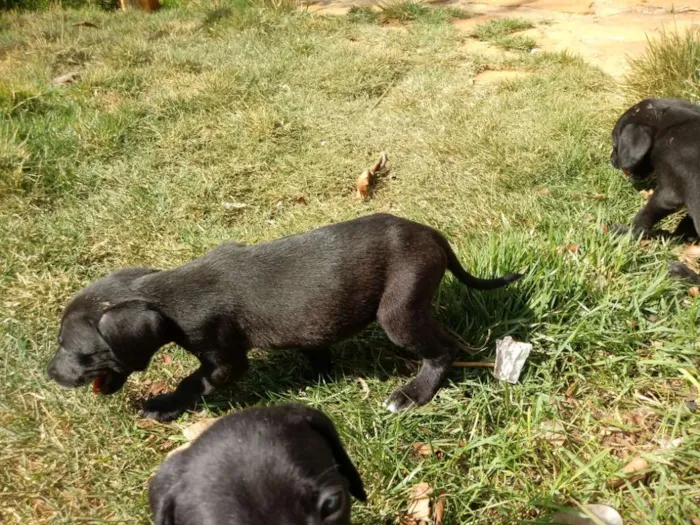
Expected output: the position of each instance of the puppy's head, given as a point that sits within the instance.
(281, 465)
(633, 139)
(107, 332)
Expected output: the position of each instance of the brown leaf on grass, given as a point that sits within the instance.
(605, 229)
(364, 181)
(85, 24)
(692, 251)
(553, 432)
(694, 291)
(68, 78)
(425, 450)
(571, 247)
(439, 512)
(301, 199)
(629, 472)
(178, 449)
(419, 504)
(194, 430)
(166, 358)
(422, 449)
(157, 388)
(645, 242)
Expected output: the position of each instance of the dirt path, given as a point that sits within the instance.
(603, 32)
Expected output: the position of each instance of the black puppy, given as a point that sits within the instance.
(278, 465)
(662, 136)
(305, 291)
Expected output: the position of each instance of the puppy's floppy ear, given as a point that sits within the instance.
(134, 330)
(635, 142)
(324, 426)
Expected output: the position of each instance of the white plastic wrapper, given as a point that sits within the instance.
(510, 359)
(593, 515)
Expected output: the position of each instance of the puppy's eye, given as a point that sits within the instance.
(332, 505)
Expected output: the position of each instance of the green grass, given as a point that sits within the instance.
(178, 113)
(405, 11)
(499, 32)
(669, 68)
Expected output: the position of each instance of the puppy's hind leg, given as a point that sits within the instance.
(320, 360)
(404, 313)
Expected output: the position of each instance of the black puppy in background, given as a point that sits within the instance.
(305, 291)
(662, 136)
(277, 465)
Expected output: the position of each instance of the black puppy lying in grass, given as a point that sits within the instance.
(305, 291)
(274, 465)
(662, 136)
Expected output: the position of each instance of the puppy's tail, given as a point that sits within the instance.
(468, 279)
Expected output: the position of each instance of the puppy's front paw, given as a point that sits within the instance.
(165, 407)
(619, 229)
(398, 401)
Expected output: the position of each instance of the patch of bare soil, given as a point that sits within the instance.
(604, 32)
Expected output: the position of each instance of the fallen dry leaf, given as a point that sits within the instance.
(157, 388)
(636, 465)
(646, 194)
(439, 512)
(694, 291)
(645, 242)
(553, 432)
(85, 24)
(178, 449)
(419, 503)
(194, 430)
(166, 358)
(572, 247)
(423, 449)
(235, 205)
(365, 388)
(364, 181)
(68, 78)
(301, 199)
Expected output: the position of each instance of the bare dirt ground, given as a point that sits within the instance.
(603, 32)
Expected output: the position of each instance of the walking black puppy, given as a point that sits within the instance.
(282, 465)
(305, 291)
(662, 136)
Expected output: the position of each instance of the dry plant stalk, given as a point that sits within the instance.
(364, 181)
